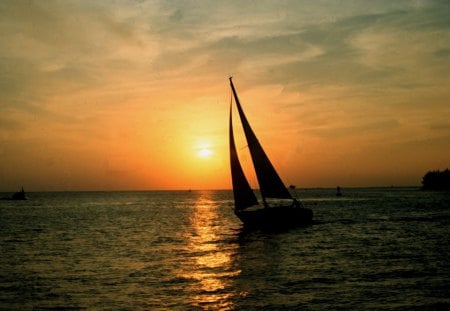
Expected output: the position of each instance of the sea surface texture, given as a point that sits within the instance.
(371, 249)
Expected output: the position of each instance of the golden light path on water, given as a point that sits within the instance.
(212, 266)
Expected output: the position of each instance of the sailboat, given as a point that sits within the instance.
(279, 209)
(19, 195)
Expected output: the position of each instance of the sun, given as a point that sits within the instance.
(204, 153)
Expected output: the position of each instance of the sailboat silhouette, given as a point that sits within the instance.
(288, 212)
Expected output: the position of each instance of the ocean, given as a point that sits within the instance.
(371, 249)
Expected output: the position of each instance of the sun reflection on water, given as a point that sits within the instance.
(212, 267)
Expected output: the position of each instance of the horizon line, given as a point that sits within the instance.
(219, 189)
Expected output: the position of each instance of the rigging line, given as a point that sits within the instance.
(247, 146)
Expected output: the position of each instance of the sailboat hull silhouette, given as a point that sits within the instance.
(246, 206)
(281, 217)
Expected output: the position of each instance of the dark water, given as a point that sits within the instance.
(379, 249)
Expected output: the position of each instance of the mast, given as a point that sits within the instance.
(270, 183)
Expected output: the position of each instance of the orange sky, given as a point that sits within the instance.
(123, 96)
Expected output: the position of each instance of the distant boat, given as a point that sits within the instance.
(19, 195)
(338, 191)
(279, 209)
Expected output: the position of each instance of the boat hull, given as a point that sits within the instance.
(282, 217)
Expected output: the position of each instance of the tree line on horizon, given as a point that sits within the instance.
(436, 180)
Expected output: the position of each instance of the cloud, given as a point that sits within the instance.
(291, 42)
(387, 50)
(357, 129)
(440, 125)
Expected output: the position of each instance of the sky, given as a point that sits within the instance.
(134, 95)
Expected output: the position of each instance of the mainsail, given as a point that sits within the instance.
(243, 194)
(270, 183)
